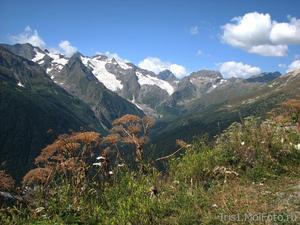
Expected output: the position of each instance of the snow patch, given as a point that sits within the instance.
(133, 102)
(98, 68)
(38, 55)
(20, 84)
(124, 66)
(57, 63)
(149, 80)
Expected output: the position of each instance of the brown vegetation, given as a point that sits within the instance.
(7, 183)
(131, 129)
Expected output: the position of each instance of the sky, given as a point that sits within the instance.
(238, 38)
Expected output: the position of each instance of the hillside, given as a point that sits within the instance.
(34, 111)
(215, 111)
(206, 182)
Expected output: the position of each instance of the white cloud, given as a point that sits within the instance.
(286, 33)
(194, 30)
(269, 50)
(29, 36)
(258, 33)
(237, 69)
(156, 65)
(294, 65)
(67, 48)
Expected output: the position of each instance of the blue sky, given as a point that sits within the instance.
(187, 33)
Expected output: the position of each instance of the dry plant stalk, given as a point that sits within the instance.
(68, 155)
(131, 129)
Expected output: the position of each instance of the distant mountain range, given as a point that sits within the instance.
(43, 90)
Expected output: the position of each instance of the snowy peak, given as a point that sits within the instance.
(97, 65)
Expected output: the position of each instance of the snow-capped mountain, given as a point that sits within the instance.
(148, 91)
(128, 80)
(80, 81)
(141, 87)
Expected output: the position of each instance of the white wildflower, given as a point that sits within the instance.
(97, 164)
(242, 143)
(100, 157)
(214, 206)
(39, 209)
(297, 147)
(110, 172)
(121, 165)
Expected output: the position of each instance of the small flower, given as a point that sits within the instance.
(297, 147)
(39, 209)
(97, 164)
(110, 172)
(242, 143)
(214, 206)
(100, 157)
(121, 165)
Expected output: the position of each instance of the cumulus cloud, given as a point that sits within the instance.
(237, 69)
(29, 36)
(194, 30)
(67, 48)
(294, 65)
(156, 65)
(32, 37)
(286, 33)
(258, 33)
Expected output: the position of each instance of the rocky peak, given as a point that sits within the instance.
(264, 77)
(206, 74)
(167, 75)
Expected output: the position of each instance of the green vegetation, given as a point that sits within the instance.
(251, 168)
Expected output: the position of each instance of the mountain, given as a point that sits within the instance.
(140, 87)
(79, 81)
(196, 84)
(264, 77)
(215, 111)
(203, 102)
(167, 75)
(77, 77)
(33, 111)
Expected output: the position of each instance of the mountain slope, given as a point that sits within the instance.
(85, 78)
(125, 79)
(33, 111)
(79, 81)
(264, 77)
(227, 103)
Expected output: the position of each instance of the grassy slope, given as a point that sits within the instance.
(196, 191)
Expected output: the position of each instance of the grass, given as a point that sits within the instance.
(251, 169)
